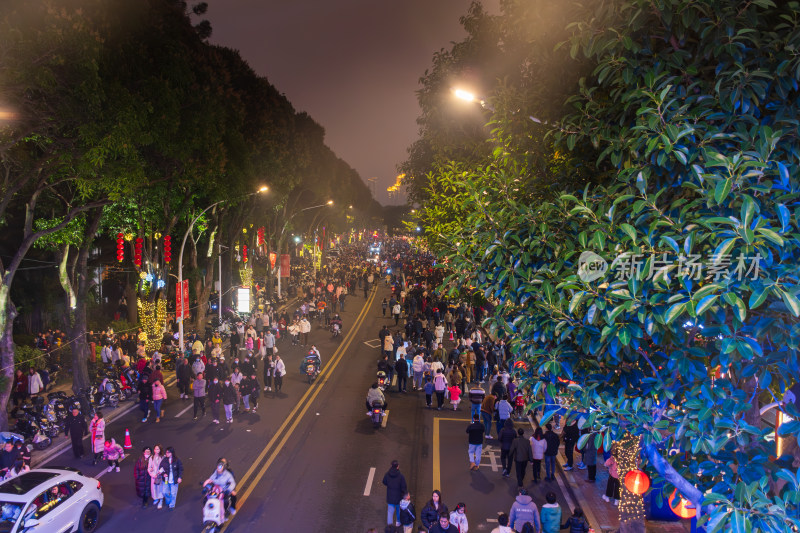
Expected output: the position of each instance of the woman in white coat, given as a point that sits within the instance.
(98, 436)
(156, 490)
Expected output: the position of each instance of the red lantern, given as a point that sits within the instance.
(244, 253)
(521, 364)
(261, 236)
(637, 481)
(120, 247)
(167, 248)
(137, 249)
(681, 506)
(273, 258)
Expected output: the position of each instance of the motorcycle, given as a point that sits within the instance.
(168, 361)
(311, 368)
(382, 380)
(336, 329)
(28, 425)
(377, 413)
(215, 508)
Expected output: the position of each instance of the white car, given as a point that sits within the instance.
(50, 500)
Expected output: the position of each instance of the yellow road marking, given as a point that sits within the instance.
(297, 413)
(437, 474)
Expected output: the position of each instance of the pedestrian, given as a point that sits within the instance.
(20, 388)
(522, 454)
(75, 428)
(551, 514)
(113, 454)
(153, 464)
(305, 329)
(571, 435)
(504, 410)
(396, 489)
(384, 306)
(576, 523)
(612, 487)
(245, 389)
(487, 411)
(18, 468)
(428, 393)
(418, 367)
(475, 440)
(550, 453)
(502, 524)
(458, 518)
(476, 397)
(171, 472)
(408, 514)
(432, 510)
(524, 511)
(141, 478)
(439, 386)
(215, 398)
(590, 459)
(401, 368)
(228, 399)
(455, 395)
(280, 371)
(159, 395)
(199, 393)
(8, 457)
(254, 391)
(506, 436)
(538, 446)
(145, 396)
(97, 427)
(184, 375)
(35, 385)
(396, 313)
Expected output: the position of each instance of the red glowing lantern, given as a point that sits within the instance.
(637, 481)
(120, 247)
(244, 253)
(167, 248)
(260, 236)
(681, 506)
(137, 252)
(521, 364)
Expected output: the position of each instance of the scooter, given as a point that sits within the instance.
(311, 368)
(215, 508)
(382, 380)
(377, 414)
(336, 329)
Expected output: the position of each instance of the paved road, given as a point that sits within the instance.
(304, 460)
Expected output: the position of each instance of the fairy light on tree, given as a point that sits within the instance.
(631, 505)
(152, 316)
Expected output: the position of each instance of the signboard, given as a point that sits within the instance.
(182, 301)
(286, 265)
(243, 300)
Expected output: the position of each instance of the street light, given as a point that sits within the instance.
(283, 229)
(467, 96)
(261, 189)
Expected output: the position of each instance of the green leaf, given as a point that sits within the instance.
(576, 300)
(674, 311)
(705, 303)
(721, 190)
(791, 302)
(630, 231)
(771, 236)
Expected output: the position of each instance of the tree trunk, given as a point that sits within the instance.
(130, 298)
(7, 317)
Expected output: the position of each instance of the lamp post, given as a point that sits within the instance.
(283, 230)
(180, 264)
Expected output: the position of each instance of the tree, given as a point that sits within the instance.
(694, 323)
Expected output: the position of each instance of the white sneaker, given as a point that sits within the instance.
(110, 468)
(605, 498)
(117, 469)
(265, 388)
(159, 505)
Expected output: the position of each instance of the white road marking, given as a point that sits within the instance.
(187, 408)
(374, 343)
(370, 478)
(394, 380)
(492, 459)
(105, 470)
(570, 503)
(385, 418)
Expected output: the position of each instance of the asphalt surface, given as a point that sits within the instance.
(310, 459)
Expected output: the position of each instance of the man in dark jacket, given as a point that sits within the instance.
(184, 375)
(550, 453)
(571, 435)
(215, 398)
(75, 428)
(145, 388)
(396, 489)
(8, 457)
(522, 454)
(506, 438)
(475, 432)
(401, 367)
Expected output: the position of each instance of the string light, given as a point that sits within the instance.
(246, 275)
(631, 506)
(152, 317)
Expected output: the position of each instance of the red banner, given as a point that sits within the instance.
(273, 257)
(182, 301)
(285, 266)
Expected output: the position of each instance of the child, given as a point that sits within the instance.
(502, 521)
(428, 393)
(113, 453)
(408, 514)
(458, 517)
(612, 487)
(551, 514)
(455, 396)
(576, 523)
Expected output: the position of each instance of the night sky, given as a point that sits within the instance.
(353, 65)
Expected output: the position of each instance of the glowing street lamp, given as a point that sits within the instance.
(467, 96)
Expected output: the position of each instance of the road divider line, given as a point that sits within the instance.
(296, 415)
(370, 479)
(187, 408)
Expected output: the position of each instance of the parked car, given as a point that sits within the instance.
(50, 500)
